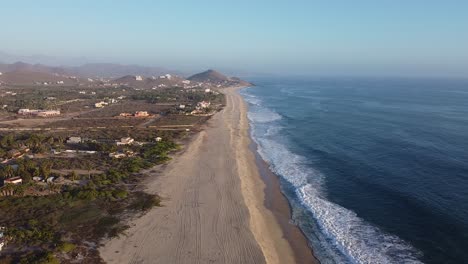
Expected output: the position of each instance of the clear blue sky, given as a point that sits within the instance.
(383, 37)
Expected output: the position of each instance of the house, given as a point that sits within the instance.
(38, 179)
(158, 139)
(100, 104)
(41, 113)
(186, 82)
(138, 78)
(48, 113)
(117, 155)
(181, 106)
(125, 114)
(207, 90)
(125, 141)
(203, 104)
(14, 180)
(74, 140)
(23, 111)
(141, 114)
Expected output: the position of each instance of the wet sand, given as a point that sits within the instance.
(214, 205)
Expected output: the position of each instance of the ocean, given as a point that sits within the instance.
(375, 169)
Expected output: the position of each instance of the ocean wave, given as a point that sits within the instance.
(341, 230)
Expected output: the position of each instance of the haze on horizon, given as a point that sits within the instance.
(416, 38)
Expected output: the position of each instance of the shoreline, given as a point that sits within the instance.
(279, 205)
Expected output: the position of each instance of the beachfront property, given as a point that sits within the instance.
(125, 141)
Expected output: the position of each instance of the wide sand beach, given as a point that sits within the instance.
(214, 204)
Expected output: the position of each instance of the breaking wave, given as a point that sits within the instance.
(341, 233)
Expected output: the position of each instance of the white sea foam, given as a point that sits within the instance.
(341, 229)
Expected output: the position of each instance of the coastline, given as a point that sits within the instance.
(276, 202)
(214, 208)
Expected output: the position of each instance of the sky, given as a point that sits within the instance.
(305, 37)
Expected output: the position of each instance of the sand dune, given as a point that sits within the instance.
(214, 209)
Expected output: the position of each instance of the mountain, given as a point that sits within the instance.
(111, 70)
(209, 76)
(217, 78)
(24, 77)
(26, 67)
(106, 70)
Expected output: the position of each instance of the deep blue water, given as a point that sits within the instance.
(376, 169)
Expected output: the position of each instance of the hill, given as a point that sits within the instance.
(24, 77)
(209, 76)
(93, 70)
(216, 78)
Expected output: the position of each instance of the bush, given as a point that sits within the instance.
(67, 247)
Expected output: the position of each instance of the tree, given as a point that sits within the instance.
(45, 169)
(73, 175)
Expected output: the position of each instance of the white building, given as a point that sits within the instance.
(47, 113)
(207, 90)
(125, 141)
(117, 155)
(186, 82)
(158, 139)
(138, 78)
(203, 104)
(100, 104)
(181, 106)
(14, 180)
(74, 140)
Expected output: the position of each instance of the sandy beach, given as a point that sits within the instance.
(214, 204)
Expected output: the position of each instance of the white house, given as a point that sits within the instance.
(138, 78)
(23, 111)
(74, 140)
(100, 104)
(207, 90)
(181, 106)
(117, 155)
(158, 139)
(203, 104)
(47, 113)
(14, 180)
(125, 141)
